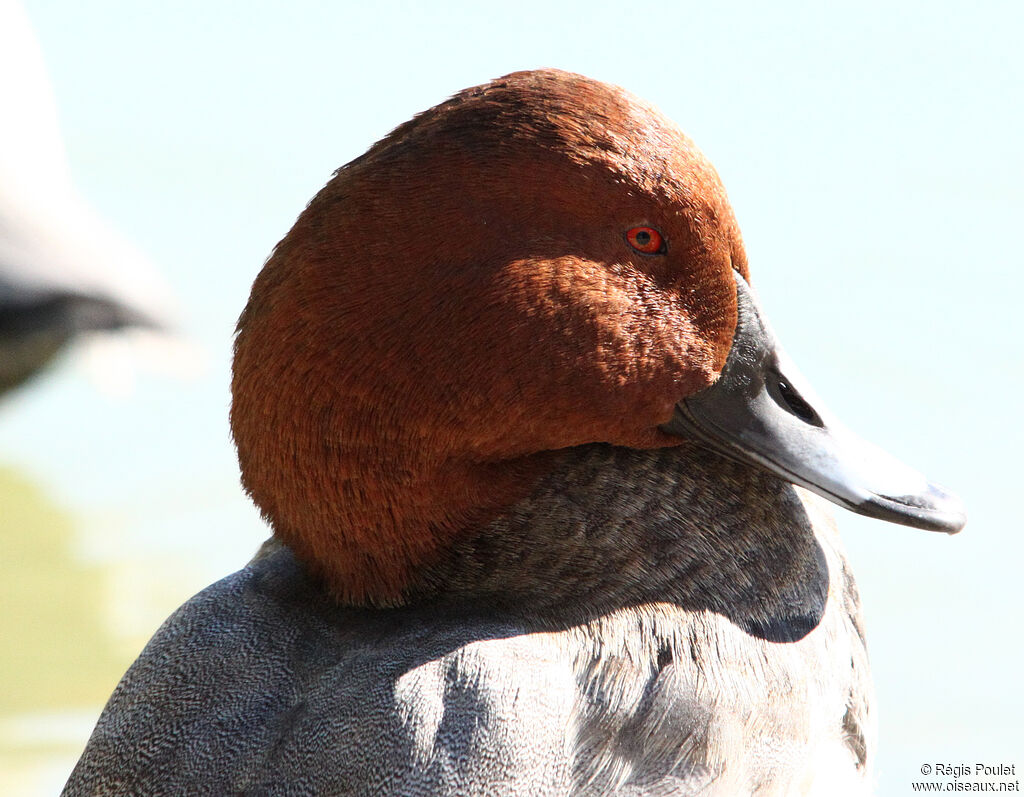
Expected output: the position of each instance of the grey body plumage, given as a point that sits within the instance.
(645, 623)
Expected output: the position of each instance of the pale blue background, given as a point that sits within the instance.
(872, 152)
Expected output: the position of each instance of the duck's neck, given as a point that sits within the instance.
(609, 527)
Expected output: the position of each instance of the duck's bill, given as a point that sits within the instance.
(761, 411)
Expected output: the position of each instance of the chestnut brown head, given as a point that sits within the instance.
(537, 263)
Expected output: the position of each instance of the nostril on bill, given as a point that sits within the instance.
(788, 398)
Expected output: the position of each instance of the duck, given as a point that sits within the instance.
(548, 499)
(64, 272)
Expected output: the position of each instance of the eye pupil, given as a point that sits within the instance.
(643, 237)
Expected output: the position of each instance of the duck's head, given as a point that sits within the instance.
(538, 263)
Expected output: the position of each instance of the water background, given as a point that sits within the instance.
(872, 153)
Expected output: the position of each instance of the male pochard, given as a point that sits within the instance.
(528, 450)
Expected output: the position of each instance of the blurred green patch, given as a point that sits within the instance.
(56, 652)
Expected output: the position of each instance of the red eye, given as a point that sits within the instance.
(647, 240)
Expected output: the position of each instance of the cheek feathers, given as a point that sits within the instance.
(591, 354)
